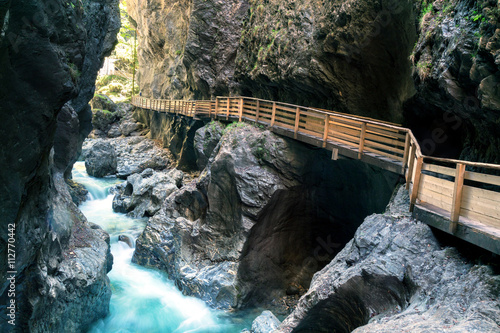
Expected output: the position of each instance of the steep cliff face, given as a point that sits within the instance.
(49, 56)
(265, 214)
(432, 65)
(187, 48)
(456, 72)
(348, 56)
(351, 56)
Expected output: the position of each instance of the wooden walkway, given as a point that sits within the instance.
(459, 197)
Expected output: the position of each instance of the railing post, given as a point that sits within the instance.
(407, 151)
(410, 166)
(216, 106)
(325, 133)
(228, 105)
(257, 110)
(457, 196)
(362, 140)
(241, 108)
(297, 119)
(416, 183)
(273, 114)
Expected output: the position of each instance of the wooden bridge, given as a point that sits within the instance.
(459, 197)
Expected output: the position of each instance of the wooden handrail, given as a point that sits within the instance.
(427, 183)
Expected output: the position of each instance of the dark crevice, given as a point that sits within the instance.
(302, 228)
(355, 302)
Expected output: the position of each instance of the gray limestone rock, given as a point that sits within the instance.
(134, 155)
(260, 218)
(128, 126)
(265, 323)
(143, 194)
(101, 160)
(114, 131)
(205, 141)
(432, 288)
(50, 53)
(177, 176)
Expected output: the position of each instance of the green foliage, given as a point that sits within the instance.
(178, 52)
(233, 125)
(119, 87)
(259, 149)
(74, 72)
(426, 10)
(107, 113)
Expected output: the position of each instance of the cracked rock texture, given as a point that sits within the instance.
(456, 70)
(427, 287)
(133, 154)
(50, 52)
(433, 65)
(143, 193)
(264, 215)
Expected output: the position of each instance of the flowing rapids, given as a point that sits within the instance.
(143, 299)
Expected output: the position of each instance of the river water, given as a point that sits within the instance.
(144, 300)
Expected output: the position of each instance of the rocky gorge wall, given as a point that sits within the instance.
(431, 65)
(456, 73)
(397, 275)
(49, 57)
(265, 214)
(174, 132)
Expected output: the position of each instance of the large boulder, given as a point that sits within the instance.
(143, 194)
(395, 276)
(128, 126)
(101, 160)
(103, 102)
(244, 232)
(135, 154)
(205, 141)
(102, 120)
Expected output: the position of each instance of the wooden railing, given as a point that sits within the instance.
(445, 185)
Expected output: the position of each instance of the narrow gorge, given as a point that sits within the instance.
(119, 218)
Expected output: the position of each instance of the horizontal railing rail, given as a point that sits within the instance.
(444, 184)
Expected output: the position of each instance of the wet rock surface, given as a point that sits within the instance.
(176, 133)
(205, 141)
(101, 160)
(427, 287)
(50, 53)
(253, 223)
(133, 154)
(266, 322)
(144, 193)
